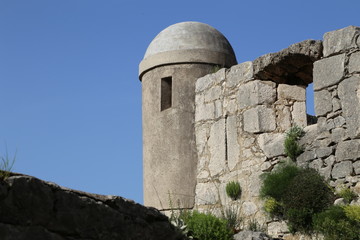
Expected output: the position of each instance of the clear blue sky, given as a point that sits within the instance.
(70, 98)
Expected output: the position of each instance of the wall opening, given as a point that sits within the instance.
(310, 111)
(166, 93)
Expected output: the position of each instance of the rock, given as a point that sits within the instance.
(242, 72)
(249, 208)
(209, 80)
(299, 114)
(348, 150)
(340, 201)
(206, 194)
(292, 65)
(340, 40)
(354, 62)
(277, 228)
(356, 166)
(272, 144)
(323, 152)
(323, 104)
(328, 71)
(256, 92)
(250, 235)
(213, 93)
(294, 92)
(216, 145)
(233, 147)
(348, 92)
(259, 119)
(204, 112)
(35, 209)
(342, 169)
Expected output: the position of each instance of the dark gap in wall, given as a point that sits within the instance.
(166, 93)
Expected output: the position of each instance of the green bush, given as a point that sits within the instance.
(352, 212)
(292, 148)
(203, 226)
(233, 190)
(275, 183)
(273, 207)
(306, 194)
(347, 194)
(335, 225)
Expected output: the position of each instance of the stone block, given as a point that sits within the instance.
(316, 164)
(342, 169)
(299, 114)
(206, 194)
(233, 147)
(283, 119)
(213, 93)
(323, 152)
(340, 40)
(348, 150)
(272, 144)
(348, 91)
(249, 208)
(304, 158)
(210, 80)
(328, 71)
(338, 134)
(216, 145)
(354, 62)
(204, 111)
(259, 119)
(323, 102)
(250, 235)
(356, 166)
(276, 228)
(294, 92)
(239, 73)
(218, 109)
(336, 104)
(339, 121)
(256, 92)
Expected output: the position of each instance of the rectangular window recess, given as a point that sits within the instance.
(166, 93)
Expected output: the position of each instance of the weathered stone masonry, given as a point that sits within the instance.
(242, 113)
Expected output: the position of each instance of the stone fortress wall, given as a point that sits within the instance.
(241, 115)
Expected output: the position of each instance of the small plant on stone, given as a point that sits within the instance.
(177, 221)
(273, 207)
(216, 68)
(255, 226)
(205, 226)
(233, 190)
(6, 165)
(292, 147)
(347, 194)
(234, 221)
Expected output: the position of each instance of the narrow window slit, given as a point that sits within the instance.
(166, 93)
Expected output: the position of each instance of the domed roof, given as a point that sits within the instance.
(188, 42)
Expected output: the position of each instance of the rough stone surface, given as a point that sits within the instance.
(292, 65)
(348, 150)
(299, 114)
(256, 92)
(354, 62)
(350, 101)
(328, 71)
(274, 228)
(294, 92)
(233, 147)
(340, 40)
(272, 144)
(356, 166)
(342, 169)
(323, 104)
(217, 147)
(35, 209)
(249, 235)
(249, 208)
(259, 119)
(206, 193)
(242, 72)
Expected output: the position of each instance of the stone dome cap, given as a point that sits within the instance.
(188, 42)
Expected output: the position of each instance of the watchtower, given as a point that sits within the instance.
(176, 57)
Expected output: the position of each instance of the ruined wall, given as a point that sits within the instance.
(34, 209)
(242, 114)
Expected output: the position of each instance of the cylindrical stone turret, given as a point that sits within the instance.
(174, 60)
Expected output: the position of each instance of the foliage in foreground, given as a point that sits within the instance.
(295, 194)
(205, 226)
(335, 224)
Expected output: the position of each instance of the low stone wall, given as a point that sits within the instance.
(242, 114)
(34, 209)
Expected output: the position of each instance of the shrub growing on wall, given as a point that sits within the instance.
(207, 226)
(233, 190)
(292, 148)
(298, 194)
